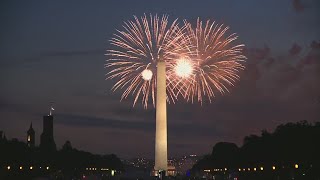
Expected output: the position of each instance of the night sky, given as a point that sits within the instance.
(54, 51)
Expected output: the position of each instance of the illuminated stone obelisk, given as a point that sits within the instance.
(161, 154)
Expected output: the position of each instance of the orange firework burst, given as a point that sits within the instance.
(137, 49)
(215, 60)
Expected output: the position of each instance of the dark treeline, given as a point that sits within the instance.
(290, 144)
(65, 163)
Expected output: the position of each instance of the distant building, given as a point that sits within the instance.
(46, 139)
(31, 137)
(2, 136)
(171, 171)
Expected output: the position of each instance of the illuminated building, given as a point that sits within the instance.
(171, 171)
(31, 137)
(161, 154)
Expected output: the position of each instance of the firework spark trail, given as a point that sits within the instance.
(215, 60)
(139, 46)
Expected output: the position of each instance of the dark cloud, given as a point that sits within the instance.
(88, 121)
(295, 49)
(74, 53)
(129, 124)
(57, 54)
(298, 6)
(315, 45)
(257, 53)
(44, 57)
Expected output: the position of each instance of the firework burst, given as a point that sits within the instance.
(216, 61)
(135, 53)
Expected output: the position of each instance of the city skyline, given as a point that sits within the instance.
(55, 52)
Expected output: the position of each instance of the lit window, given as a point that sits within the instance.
(29, 138)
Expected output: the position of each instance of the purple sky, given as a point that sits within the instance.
(54, 51)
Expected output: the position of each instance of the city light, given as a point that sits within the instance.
(31, 167)
(248, 169)
(8, 167)
(20, 167)
(47, 167)
(261, 168)
(183, 68)
(225, 169)
(296, 166)
(273, 168)
(254, 169)
(147, 74)
(239, 169)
